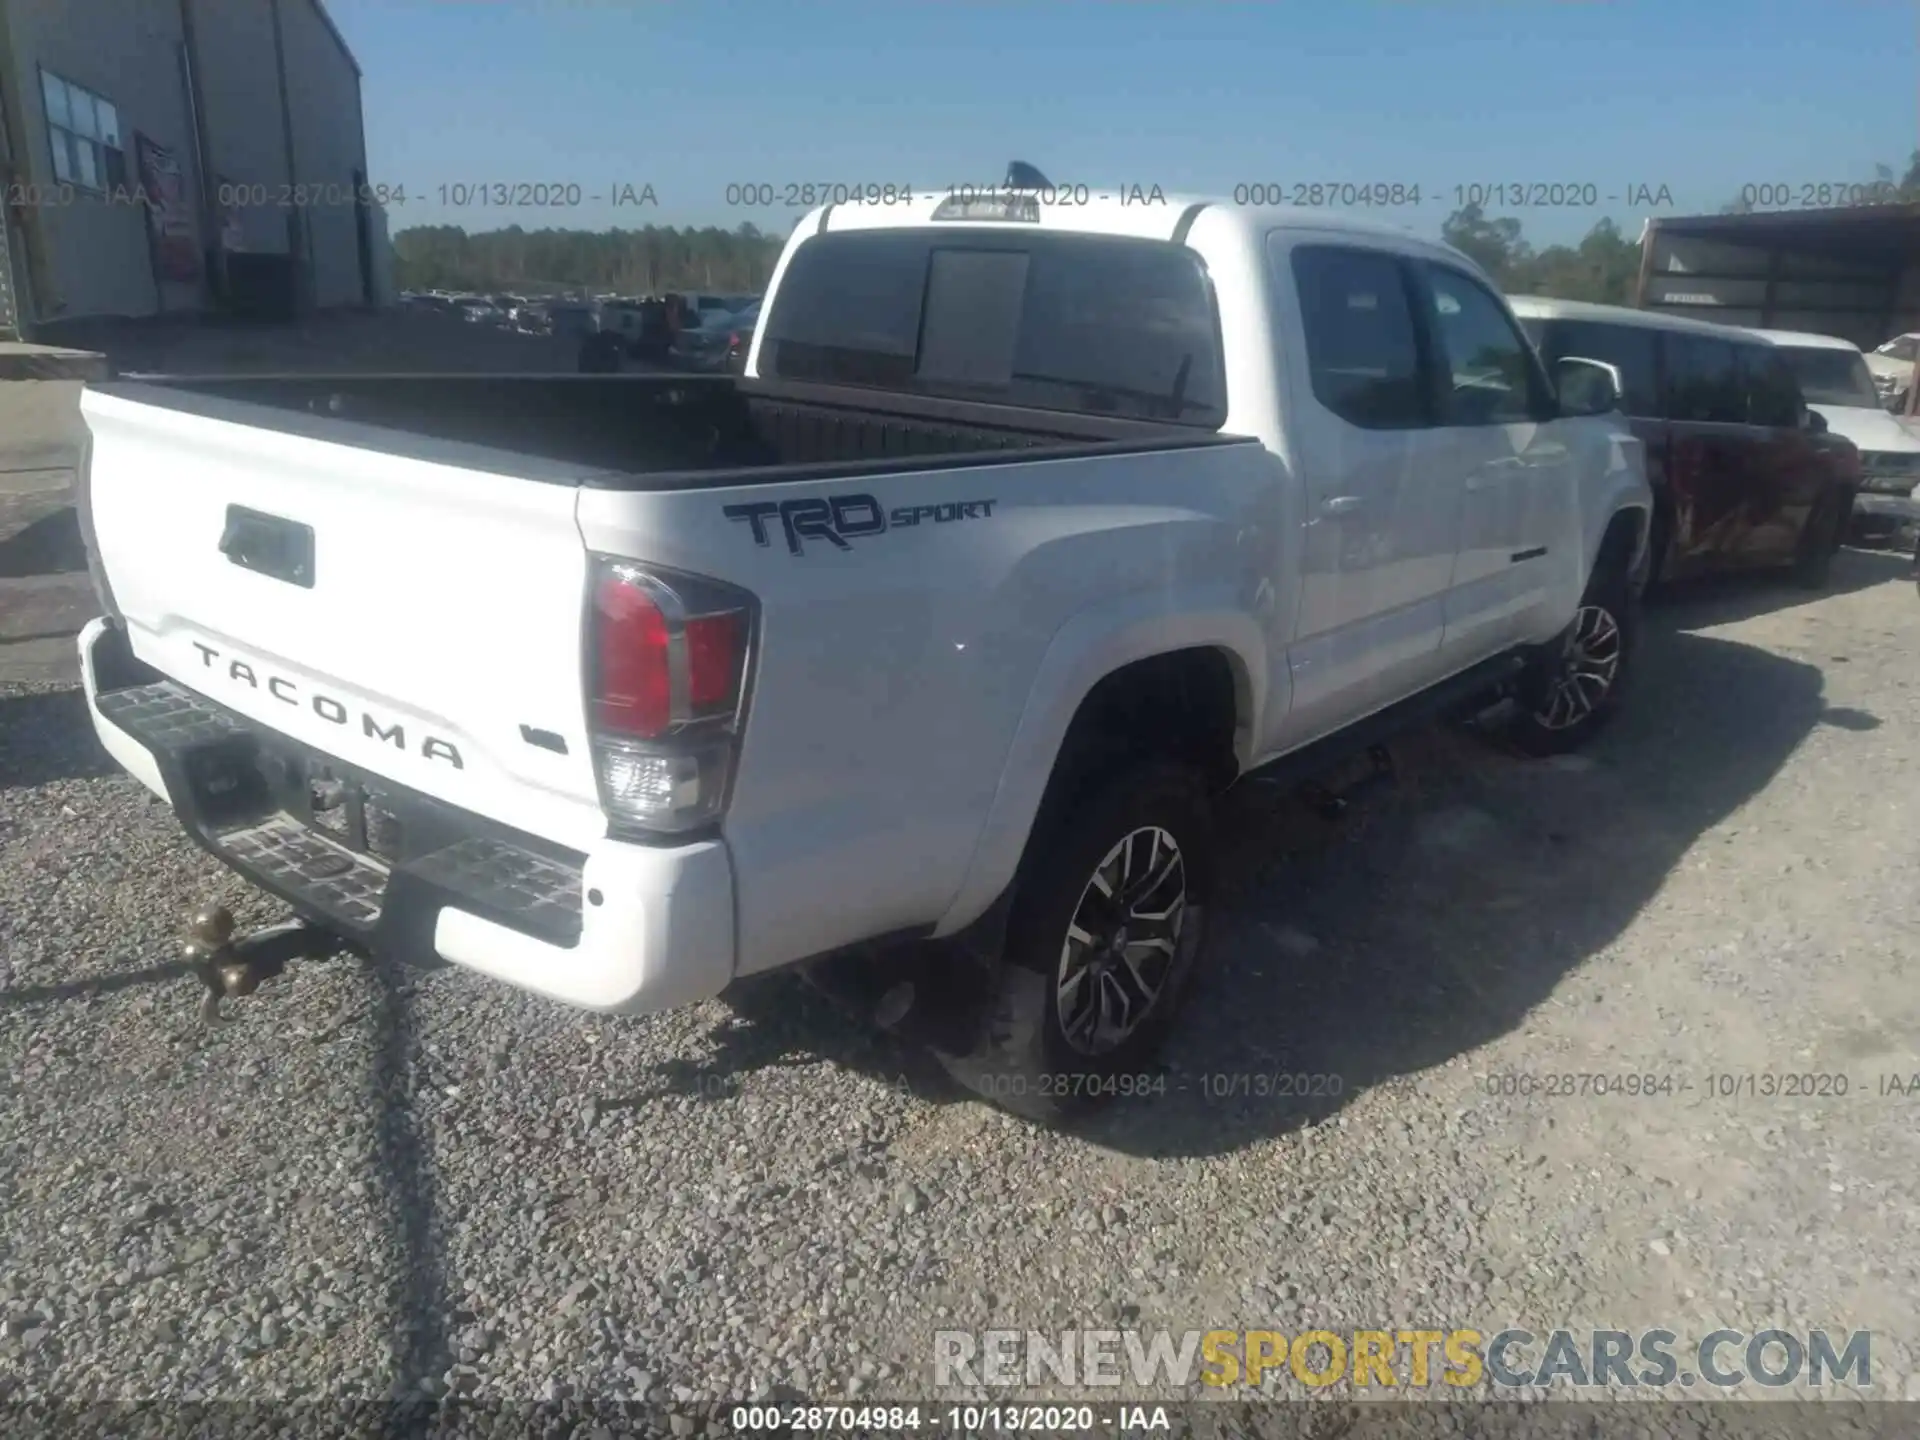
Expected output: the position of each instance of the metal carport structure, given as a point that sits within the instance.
(1852, 272)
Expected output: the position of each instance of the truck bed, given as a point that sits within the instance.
(654, 432)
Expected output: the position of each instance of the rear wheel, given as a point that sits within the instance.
(1574, 686)
(1659, 542)
(1102, 941)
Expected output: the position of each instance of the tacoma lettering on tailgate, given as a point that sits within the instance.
(432, 747)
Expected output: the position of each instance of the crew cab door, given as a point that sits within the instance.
(1787, 470)
(1502, 443)
(1712, 454)
(1380, 516)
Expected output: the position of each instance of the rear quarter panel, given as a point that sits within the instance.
(892, 676)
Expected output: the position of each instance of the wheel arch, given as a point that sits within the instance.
(1625, 542)
(1198, 678)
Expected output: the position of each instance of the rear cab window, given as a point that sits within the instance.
(1089, 324)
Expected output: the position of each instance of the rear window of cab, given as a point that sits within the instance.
(1095, 325)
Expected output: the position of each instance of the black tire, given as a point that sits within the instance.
(1658, 544)
(1813, 560)
(1547, 719)
(1026, 1060)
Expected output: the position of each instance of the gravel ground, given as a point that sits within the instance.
(372, 1184)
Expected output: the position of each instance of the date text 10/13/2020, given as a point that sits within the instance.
(453, 195)
(1720, 1085)
(1572, 194)
(1039, 1419)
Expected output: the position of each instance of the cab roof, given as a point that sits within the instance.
(1139, 211)
(1807, 340)
(1545, 307)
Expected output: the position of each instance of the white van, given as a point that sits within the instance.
(1837, 383)
(1892, 367)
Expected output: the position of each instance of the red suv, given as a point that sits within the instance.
(1743, 473)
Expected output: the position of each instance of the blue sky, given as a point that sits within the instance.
(689, 96)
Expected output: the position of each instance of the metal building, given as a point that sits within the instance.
(173, 156)
(1853, 273)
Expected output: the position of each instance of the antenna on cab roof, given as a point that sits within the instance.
(1022, 176)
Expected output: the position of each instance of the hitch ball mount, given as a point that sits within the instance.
(233, 968)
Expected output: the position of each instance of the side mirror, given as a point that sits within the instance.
(1815, 421)
(1588, 387)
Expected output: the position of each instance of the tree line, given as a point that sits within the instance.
(652, 260)
(1602, 266)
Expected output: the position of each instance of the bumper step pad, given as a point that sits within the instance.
(541, 895)
(329, 876)
(166, 716)
(514, 885)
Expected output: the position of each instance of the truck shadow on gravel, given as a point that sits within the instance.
(1726, 599)
(47, 736)
(419, 1297)
(1428, 922)
(1439, 919)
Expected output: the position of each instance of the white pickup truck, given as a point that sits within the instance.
(1032, 527)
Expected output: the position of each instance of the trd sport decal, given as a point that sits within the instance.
(843, 518)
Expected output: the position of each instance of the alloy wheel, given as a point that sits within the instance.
(1589, 664)
(1123, 942)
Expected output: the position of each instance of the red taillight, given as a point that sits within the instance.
(713, 660)
(634, 688)
(733, 342)
(667, 660)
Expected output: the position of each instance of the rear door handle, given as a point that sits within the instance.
(1342, 504)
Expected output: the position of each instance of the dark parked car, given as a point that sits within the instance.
(706, 345)
(570, 321)
(602, 352)
(740, 340)
(650, 342)
(1743, 473)
(628, 330)
(478, 310)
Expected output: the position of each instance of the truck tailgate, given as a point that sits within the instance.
(431, 634)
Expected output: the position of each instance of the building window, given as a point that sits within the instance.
(84, 131)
